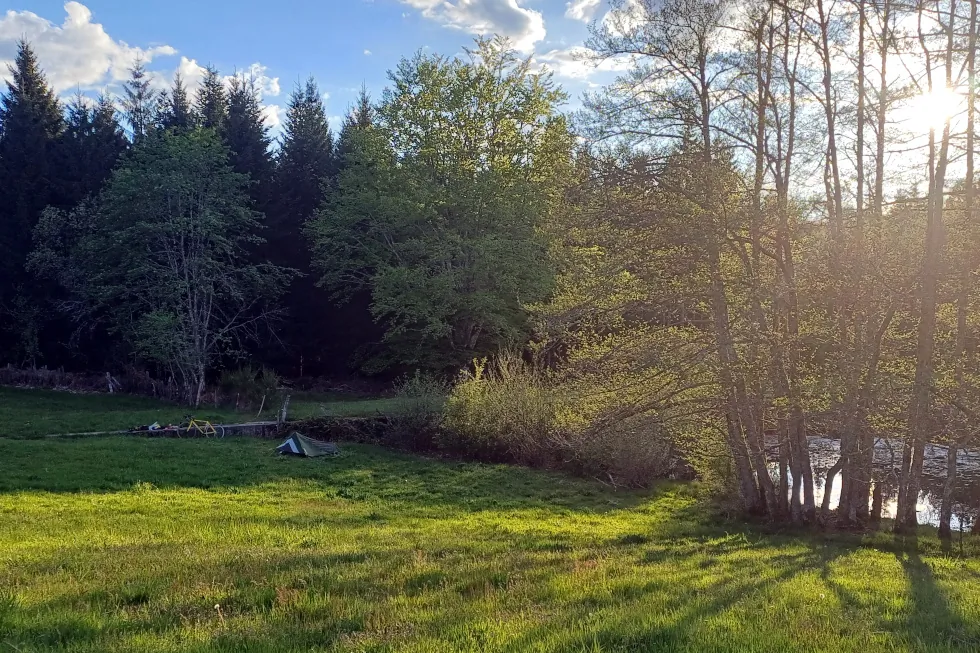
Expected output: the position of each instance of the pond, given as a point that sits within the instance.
(824, 452)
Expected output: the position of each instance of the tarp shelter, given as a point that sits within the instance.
(300, 445)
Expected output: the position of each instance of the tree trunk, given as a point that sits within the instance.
(946, 511)
(877, 502)
(799, 450)
(748, 489)
(920, 408)
(963, 305)
(828, 488)
(741, 423)
(858, 473)
(783, 498)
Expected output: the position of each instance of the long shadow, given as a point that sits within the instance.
(360, 473)
(930, 621)
(931, 611)
(724, 584)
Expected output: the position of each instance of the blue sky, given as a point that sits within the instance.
(89, 44)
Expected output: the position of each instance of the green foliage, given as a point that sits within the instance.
(247, 387)
(211, 104)
(247, 137)
(305, 158)
(175, 111)
(89, 148)
(503, 410)
(164, 258)
(359, 119)
(304, 165)
(437, 208)
(508, 410)
(139, 101)
(416, 415)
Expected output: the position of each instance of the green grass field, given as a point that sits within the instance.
(127, 543)
(34, 413)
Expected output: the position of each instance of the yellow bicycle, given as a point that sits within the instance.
(204, 428)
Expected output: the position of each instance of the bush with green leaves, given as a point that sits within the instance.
(502, 410)
(508, 410)
(247, 387)
(418, 413)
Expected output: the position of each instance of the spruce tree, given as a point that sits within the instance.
(306, 155)
(212, 101)
(29, 178)
(305, 164)
(359, 118)
(88, 149)
(108, 141)
(139, 101)
(247, 136)
(175, 111)
(351, 337)
(72, 153)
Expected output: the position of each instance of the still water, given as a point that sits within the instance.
(887, 460)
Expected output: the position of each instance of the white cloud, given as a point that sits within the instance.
(578, 62)
(77, 53)
(582, 10)
(272, 114)
(525, 27)
(80, 54)
(367, 53)
(626, 18)
(268, 86)
(192, 74)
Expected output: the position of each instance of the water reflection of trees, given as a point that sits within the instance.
(887, 463)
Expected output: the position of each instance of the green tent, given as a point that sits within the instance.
(300, 445)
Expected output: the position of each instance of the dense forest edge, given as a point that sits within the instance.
(736, 247)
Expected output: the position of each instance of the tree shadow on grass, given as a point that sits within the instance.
(689, 592)
(735, 587)
(664, 614)
(931, 614)
(929, 621)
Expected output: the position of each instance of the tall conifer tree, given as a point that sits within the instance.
(306, 162)
(360, 117)
(108, 138)
(248, 139)
(175, 109)
(89, 149)
(139, 101)
(32, 124)
(212, 101)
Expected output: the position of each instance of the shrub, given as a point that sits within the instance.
(417, 416)
(250, 388)
(631, 452)
(506, 410)
(502, 411)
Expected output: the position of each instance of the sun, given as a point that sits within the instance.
(931, 110)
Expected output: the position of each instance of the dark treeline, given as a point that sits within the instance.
(59, 159)
(763, 229)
